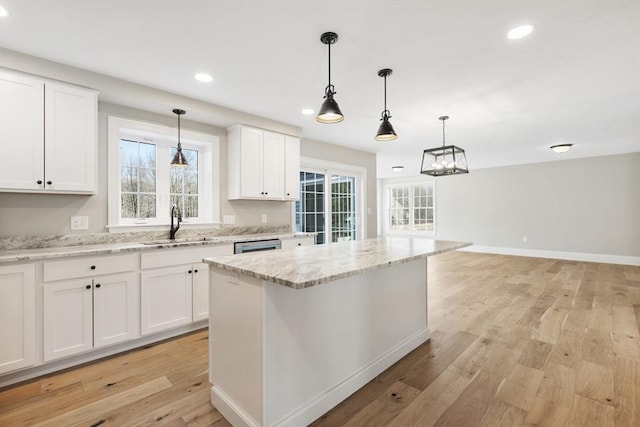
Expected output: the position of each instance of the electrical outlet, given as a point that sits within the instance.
(79, 223)
(229, 219)
(524, 238)
(264, 218)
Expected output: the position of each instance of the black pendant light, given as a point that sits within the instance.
(385, 131)
(178, 159)
(329, 111)
(445, 160)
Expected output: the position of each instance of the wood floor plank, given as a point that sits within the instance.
(386, 407)
(92, 410)
(586, 412)
(431, 403)
(536, 354)
(595, 382)
(469, 408)
(520, 388)
(501, 414)
(547, 414)
(626, 383)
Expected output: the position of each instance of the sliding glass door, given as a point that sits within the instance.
(329, 205)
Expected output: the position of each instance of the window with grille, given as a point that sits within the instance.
(142, 184)
(411, 208)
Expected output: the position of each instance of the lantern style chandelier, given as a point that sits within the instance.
(385, 131)
(329, 111)
(178, 159)
(444, 160)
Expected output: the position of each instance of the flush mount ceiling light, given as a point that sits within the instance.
(445, 160)
(203, 77)
(385, 131)
(178, 159)
(307, 111)
(3, 12)
(329, 111)
(520, 32)
(397, 168)
(561, 148)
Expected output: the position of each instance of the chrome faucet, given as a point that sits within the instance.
(175, 211)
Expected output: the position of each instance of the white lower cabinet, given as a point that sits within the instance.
(174, 287)
(83, 314)
(89, 303)
(166, 298)
(17, 317)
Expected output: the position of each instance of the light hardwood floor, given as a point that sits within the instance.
(515, 341)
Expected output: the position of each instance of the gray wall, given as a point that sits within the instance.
(586, 205)
(339, 154)
(37, 214)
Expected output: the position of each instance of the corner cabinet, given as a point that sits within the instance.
(17, 317)
(48, 136)
(262, 165)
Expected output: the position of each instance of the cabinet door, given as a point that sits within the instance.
(17, 317)
(200, 291)
(165, 299)
(292, 168)
(68, 318)
(115, 309)
(251, 163)
(273, 165)
(70, 138)
(21, 132)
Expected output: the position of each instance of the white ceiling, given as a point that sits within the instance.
(576, 79)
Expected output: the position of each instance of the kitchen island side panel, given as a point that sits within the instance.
(325, 342)
(236, 346)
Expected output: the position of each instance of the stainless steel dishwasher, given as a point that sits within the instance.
(256, 246)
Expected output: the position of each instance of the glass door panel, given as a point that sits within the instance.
(310, 209)
(343, 208)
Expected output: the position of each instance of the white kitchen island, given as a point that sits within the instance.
(294, 332)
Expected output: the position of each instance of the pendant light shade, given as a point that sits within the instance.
(329, 111)
(385, 130)
(445, 160)
(178, 159)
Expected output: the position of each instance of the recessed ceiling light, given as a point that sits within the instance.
(561, 148)
(3, 12)
(397, 168)
(307, 111)
(204, 77)
(520, 32)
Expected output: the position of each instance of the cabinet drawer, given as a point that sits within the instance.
(85, 267)
(168, 257)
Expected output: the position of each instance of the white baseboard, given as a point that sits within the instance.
(321, 404)
(230, 411)
(572, 256)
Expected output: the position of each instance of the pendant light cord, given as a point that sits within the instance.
(443, 132)
(179, 145)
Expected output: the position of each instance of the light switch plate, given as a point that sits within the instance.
(264, 218)
(229, 219)
(79, 223)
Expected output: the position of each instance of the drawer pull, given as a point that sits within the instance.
(190, 272)
(93, 267)
(195, 271)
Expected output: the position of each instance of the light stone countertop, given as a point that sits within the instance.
(306, 266)
(22, 255)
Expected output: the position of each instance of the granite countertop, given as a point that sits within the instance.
(306, 266)
(21, 255)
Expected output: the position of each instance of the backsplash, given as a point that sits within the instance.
(59, 240)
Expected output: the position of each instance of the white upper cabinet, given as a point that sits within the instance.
(292, 168)
(262, 164)
(48, 136)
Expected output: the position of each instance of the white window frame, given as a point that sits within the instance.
(208, 147)
(333, 168)
(386, 219)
